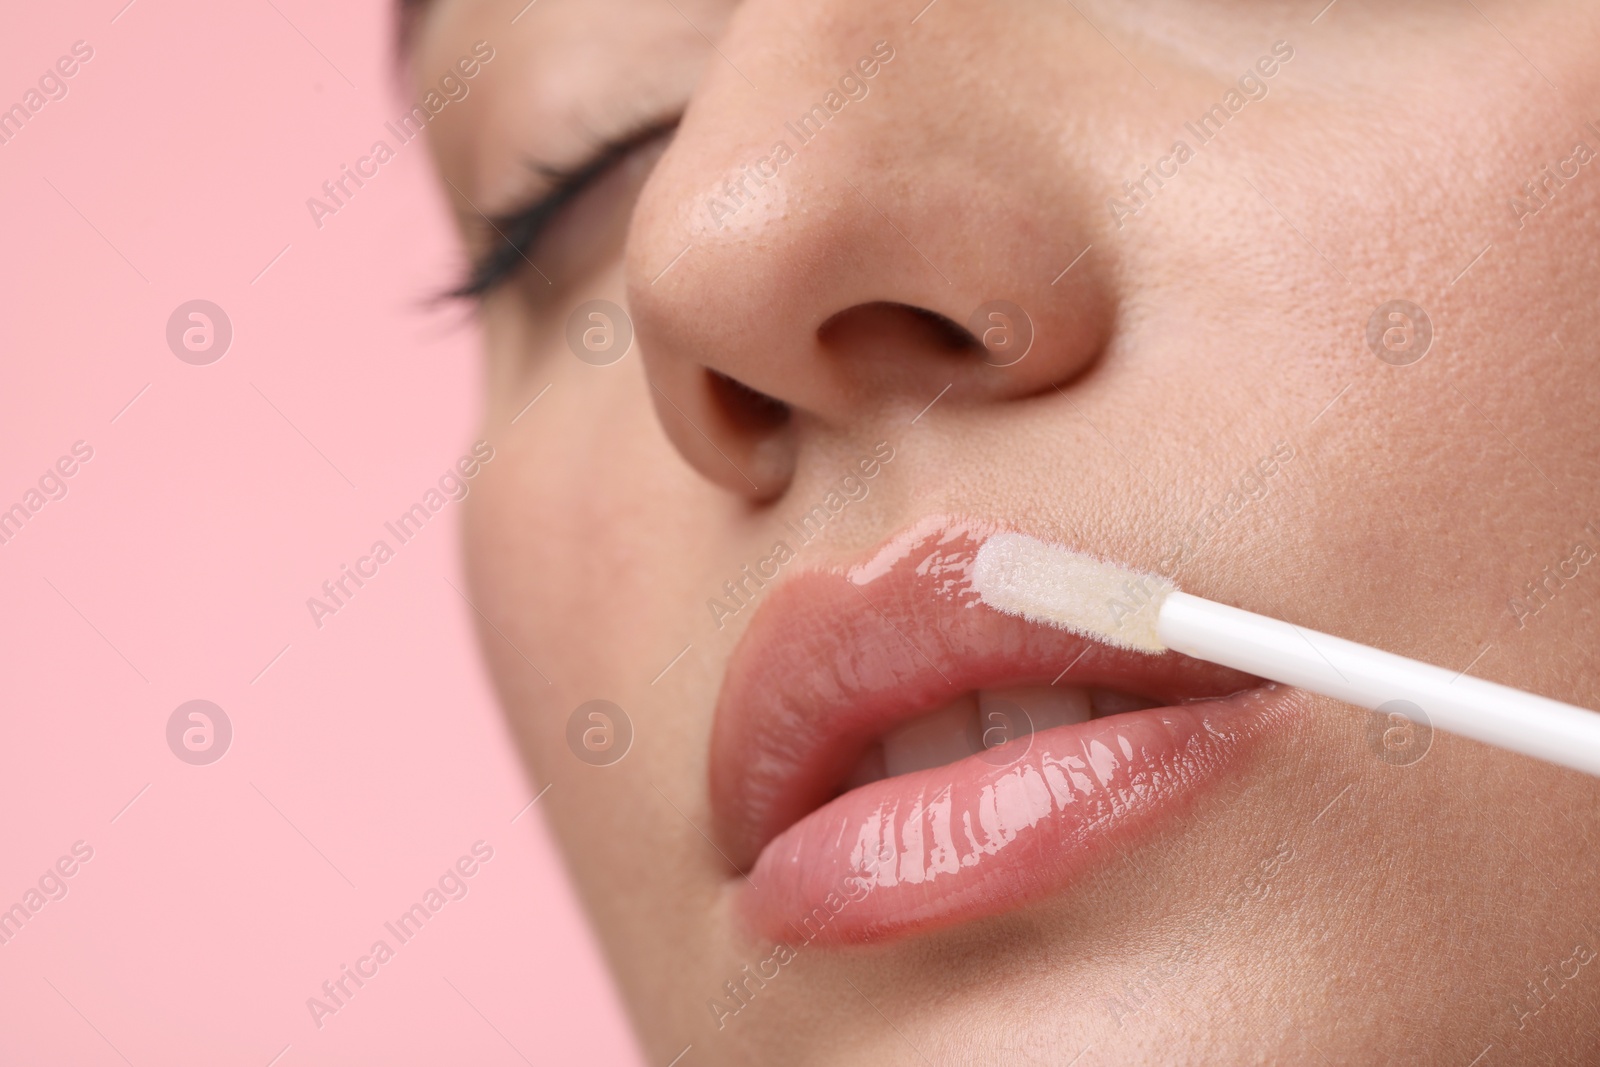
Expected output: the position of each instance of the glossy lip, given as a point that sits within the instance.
(834, 659)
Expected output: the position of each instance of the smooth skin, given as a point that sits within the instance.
(1325, 906)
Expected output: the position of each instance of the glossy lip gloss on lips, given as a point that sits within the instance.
(886, 678)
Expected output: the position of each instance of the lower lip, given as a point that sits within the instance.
(999, 829)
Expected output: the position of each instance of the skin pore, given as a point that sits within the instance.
(1323, 904)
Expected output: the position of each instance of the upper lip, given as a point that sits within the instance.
(836, 658)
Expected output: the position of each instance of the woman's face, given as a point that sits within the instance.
(1294, 307)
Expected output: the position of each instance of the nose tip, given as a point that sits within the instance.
(783, 289)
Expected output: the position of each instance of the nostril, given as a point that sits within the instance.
(738, 437)
(745, 409)
(947, 333)
(906, 323)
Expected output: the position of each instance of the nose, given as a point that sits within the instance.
(858, 235)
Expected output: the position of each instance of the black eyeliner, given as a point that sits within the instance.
(519, 229)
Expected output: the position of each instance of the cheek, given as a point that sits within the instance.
(586, 540)
(591, 549)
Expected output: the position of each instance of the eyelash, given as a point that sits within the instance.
(520, 229)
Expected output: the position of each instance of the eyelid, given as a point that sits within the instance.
(519, 229)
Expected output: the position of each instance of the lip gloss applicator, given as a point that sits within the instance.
(1051, 584)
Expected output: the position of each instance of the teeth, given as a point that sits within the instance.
(937, 738)
(981, 720)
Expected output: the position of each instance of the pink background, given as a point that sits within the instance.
(369, 755)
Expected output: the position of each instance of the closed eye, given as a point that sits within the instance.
(518, 231)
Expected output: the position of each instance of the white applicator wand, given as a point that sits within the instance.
(1047, 583)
